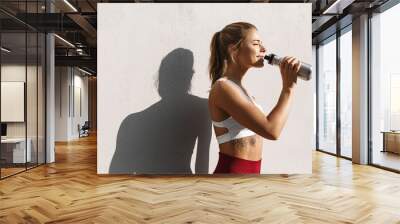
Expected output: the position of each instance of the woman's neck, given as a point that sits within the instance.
(235, 73)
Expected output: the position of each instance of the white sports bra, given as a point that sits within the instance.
(235, 130)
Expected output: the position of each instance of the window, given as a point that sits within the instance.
(327, 96)
(346, 93)
(385, 88)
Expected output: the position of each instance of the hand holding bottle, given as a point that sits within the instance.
(304, 72)
(289, 67)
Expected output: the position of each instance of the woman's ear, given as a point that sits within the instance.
(232, 52)
(230, 48)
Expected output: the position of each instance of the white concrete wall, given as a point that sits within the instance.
(144, 105)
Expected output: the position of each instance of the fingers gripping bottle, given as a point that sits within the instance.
(303, 73)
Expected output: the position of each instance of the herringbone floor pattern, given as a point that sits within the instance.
(70, 191)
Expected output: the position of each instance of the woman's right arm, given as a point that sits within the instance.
(234, 102)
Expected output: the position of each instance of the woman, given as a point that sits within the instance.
(239, 123)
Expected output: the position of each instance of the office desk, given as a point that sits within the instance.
(391, 141)
(13, 150)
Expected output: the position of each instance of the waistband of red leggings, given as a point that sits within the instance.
(226, 156)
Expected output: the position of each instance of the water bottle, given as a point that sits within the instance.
(303, 73)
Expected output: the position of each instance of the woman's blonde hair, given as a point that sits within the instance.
(233, 33)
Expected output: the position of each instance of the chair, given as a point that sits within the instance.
(84, 130)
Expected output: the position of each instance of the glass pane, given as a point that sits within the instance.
(313, 74)
(31, 85)
(346, 94)
(327, 96)
(13, 86)
(31, 100)
(41, 98)
(23, 88)
(386, 89)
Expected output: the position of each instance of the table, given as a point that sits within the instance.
(391, 141)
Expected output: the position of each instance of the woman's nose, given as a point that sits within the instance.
(262, 48)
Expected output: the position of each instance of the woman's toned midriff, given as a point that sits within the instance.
(249, 148)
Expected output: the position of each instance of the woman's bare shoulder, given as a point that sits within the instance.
(216, 87)
(223, 88)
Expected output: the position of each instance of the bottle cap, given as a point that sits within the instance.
(269, 58)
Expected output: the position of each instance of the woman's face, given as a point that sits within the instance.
(252, 52)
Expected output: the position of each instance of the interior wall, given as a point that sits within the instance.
(152, 98)
(80, 110)
(62, 113)
(69, 84)
(92, 98)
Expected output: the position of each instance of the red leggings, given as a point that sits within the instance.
(230, 164)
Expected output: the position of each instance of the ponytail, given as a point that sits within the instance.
(216, 64)
(233, 33)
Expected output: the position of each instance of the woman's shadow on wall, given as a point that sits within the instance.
(161, 139)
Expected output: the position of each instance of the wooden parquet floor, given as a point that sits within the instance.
(70, 191)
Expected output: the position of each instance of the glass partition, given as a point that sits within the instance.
(22, 63)
(31, 100)
(327, 96)
(41, 91)
(13, 110)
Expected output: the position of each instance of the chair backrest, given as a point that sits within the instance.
(86, 124)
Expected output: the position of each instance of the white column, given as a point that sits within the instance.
(360, 90)
(50, 92)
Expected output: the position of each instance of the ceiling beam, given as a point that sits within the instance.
(85, 61)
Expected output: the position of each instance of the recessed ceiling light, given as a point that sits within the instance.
(70, 5)
(337, 7)
(64, 40)
(84, 71)
(5, 50)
